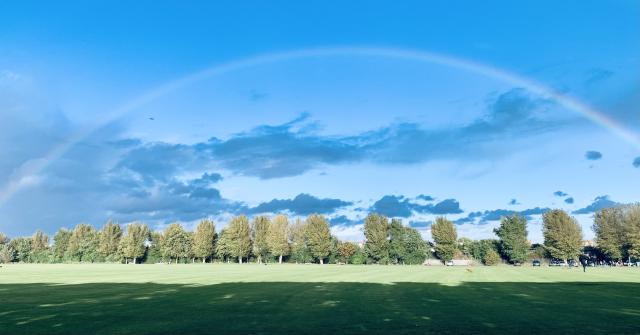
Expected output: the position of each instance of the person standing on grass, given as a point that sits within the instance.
(583, 261)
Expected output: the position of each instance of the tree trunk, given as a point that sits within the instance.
(321, 261)
(240, 259)
(280, 259)
(134, 260)
(204, 260)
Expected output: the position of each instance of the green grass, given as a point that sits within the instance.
(313, 299)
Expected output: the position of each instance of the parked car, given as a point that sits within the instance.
(536, 262)
(573, 263)
(449, 263)
(557, 262)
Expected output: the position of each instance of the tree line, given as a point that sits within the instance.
(275, 239)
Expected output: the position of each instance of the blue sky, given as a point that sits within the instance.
(99, 122)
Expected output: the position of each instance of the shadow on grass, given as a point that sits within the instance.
(320, 308)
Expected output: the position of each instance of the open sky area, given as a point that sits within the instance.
(157, 112)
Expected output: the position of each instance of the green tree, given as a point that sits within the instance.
(176, 244)
(83, 243)
(632, 231)
(300, 252)
(61, 244)
(109, 240)
(318, 237)
(562, 235)
(239, 237)
(609, 228)
(491, 257)
(222, 247)
(260, 237)
(445, 237)
(204, 240)
(132, 245)
(278, 237)
(154, 250)
(376, 233)
(346, 250)
(513, 238)
(7, 254)
(397, 241)
(415, 247)
(22, 247)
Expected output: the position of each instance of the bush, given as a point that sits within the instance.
(491, 257)
(7, 254)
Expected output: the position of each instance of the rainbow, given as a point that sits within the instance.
(28, 173)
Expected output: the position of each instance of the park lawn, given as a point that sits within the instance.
(314, 299)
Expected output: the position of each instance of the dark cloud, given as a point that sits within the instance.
(560, 194)
(636, 162)
(514, 202)
(343, 220)
(593, 155)
(598, 203)
(302, 204)
(447, 206)
(569, 200)
(497, 214)
(393, 206)
(425, 197)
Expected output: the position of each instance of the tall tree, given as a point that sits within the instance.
(133, 243)
(83, 243)
(61, 244)
(176, 243)
(222, 246)
(278, 237)
(609, 228)
(318, 237)
(346, 250)
(300, 252)
(445, 237)
(397, 242)
(4, 239)
(259, 237)
(39, 241)
(415, 248)
(110, 236)
(513, 238)
(562, 235)
(376, 233)
(632, 231)
(239, 237)
(204, 240)
(22, 248)
(7, 254)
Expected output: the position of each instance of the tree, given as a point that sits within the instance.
(61, 244)
(222, 247)
(346, 250)
(300, 252)
(259, 236)
(154, 250)
(22, 248)
(132, 245)
(318, 237)
(7, 254)
(278, 237)
(376, 233)
(415, 247)
(239, 237)
(110, 236)
(176, 243)
(445, 237)
(397, 243)
(632, 231)
(83, 243)
(513, 238)
(491, 257)
(562, 235)
(609, 228)
(4, 239)
(204, 240)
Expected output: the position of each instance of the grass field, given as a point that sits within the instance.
(313, 299)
